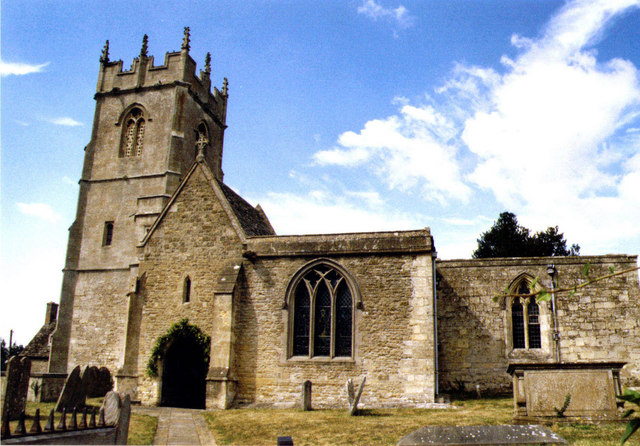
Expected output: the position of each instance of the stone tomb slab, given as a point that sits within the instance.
(481, 435)
(540, 389)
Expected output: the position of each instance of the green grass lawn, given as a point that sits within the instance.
(383, 426)
(142, 428)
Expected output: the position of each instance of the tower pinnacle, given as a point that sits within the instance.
(207, 63)
(104, 57)
(186, 40)
(145, 45)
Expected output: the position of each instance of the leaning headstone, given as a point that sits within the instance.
(481, 435)
(73, 392)
(90, 377)
(353, 397)
(122, 426)
(111, 406)
(306, 395)
(17, 387)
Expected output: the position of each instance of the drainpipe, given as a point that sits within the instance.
(553, 273)
(435, 321)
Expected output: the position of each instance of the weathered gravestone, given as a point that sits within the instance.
(17, 387)
(74, 392)
(117, 411)
(306, 395)
(481, 435)
(353, 397)
(105, 382)
(97, 382)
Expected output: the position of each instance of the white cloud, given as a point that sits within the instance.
(406, 151)
(66, 121)
(375, 11)
(552, 133)
(19, 69)
(40, 210)
(320, 212)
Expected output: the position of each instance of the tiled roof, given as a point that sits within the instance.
(39, 345)
(252, 220)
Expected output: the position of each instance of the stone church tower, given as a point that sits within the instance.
(150, 124)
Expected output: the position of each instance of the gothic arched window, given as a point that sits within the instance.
(525, 320)
(321, 314)
(133, 133)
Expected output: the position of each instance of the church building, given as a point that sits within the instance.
(183, 290)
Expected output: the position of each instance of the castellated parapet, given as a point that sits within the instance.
(178, 69)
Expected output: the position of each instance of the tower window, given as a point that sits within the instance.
(107, 236)
(133, 136)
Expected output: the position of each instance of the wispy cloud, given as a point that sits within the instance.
(19, 69)
(40, 210)
(399, 16)
(550, 132)
(65, 121)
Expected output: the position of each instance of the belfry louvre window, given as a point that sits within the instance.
(525, 319)
(133, 136)
(322, 314)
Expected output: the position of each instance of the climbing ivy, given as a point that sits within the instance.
(179, 330)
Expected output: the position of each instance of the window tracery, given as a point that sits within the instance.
(133, 138)
(525, 320)
(322, 313)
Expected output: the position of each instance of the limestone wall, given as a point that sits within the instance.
(600, 322)
(195, 239)
(393, 344)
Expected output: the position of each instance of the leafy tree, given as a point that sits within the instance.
(507, 238)
(8, 352)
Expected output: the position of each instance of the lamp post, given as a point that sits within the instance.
(553, 273)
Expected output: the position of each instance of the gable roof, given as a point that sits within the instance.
(38, 347)
(253, 220)
(245, 219)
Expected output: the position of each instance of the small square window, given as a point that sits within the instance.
(107, 237)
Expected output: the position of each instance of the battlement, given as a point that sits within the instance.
(178, 69)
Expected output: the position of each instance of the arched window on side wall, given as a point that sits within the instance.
(525, 320)
(321, 313)
(133, 133)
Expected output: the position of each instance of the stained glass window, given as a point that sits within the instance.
(322, 314)
(343, 320)
(517, 318)
(322, 338)
(301, 321)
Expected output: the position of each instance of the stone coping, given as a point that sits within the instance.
(391, 242)
(526, 261)
(596, 365)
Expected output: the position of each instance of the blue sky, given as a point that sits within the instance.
(343, 116)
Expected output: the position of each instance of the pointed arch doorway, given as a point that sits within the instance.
(184, 351)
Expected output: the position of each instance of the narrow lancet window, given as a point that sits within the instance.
(322, 340)
(107, 236)
(301, 321)
(533, 314)
(186, 290)
(517, 318)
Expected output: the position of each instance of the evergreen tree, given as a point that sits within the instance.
(507, 238)
(7, 353)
